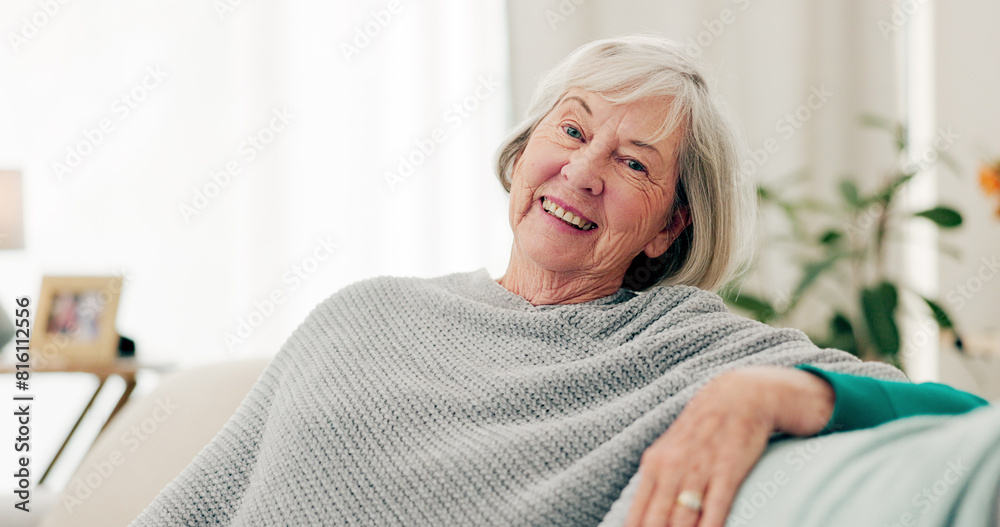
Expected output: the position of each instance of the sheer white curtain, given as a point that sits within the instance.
(243, 176)
(255, 164)
(399, 107)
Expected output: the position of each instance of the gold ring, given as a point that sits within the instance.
(690, 499)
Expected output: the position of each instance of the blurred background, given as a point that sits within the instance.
(215, 153)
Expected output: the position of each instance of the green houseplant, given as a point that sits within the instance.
(847, 247)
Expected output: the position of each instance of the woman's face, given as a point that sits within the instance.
(594, 159)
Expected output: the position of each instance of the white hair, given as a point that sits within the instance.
(721, 202)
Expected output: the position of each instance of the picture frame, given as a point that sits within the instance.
(75, 320)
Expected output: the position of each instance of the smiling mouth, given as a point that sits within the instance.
(568, 217)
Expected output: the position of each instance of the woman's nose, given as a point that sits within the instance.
(584, 170)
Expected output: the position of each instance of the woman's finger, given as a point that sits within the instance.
(664, 472)
(692, 472)
(719, 497)
(716, 507)
(657, 513)
(688, 506)
(647, 482)
(682, 482)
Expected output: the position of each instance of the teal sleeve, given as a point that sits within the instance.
(863, 402)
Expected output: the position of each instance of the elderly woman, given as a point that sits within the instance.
(535, 398)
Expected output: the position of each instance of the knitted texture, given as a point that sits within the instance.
(452, 401)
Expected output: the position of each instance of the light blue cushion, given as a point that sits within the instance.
(915, 472)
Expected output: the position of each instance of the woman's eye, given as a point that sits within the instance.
(573, 132)
(635, 165)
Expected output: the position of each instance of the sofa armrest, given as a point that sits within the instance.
(150, 442)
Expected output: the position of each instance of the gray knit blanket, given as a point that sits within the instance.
(452, 401)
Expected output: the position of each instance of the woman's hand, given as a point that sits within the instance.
(718, 437)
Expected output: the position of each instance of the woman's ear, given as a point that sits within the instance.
(678, 221)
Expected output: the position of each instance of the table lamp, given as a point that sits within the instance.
(11, 233)
(11, 211)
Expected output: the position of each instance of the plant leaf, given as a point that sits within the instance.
(761, 309)
(944, 320)
(841, 324)
(849, 191)
(831, 237)
(818, 206)
(793, 220)
(940, 315)
(812, 271)
(842, 334)
(886, 195)
(896, 129)
(944, 217)
(878, 304)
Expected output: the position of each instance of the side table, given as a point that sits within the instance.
(124, 368)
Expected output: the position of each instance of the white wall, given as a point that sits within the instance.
(968, 73)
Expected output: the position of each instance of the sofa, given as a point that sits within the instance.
(155, 437)
(150, 441)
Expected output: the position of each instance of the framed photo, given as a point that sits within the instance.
(75, 320)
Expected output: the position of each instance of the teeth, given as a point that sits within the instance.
(566, 216)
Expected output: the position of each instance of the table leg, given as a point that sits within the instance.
(129, 386)
(73, 430)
